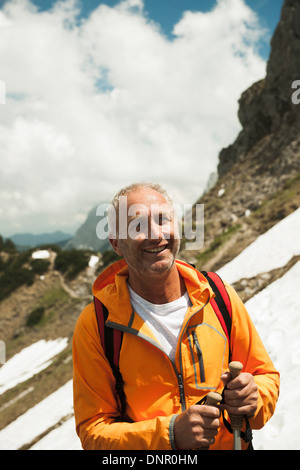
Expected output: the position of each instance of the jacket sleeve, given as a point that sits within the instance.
(247, 347)
(95, 402)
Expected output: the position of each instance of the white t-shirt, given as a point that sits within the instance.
(165, 320)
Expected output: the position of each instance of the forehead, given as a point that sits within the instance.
(145, 196)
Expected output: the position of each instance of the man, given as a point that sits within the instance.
(174, 350)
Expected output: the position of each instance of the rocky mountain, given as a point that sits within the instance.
(256, 189)
(259, 174)
(86, 237)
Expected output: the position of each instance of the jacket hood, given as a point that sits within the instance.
(113, 279)
(108, 276)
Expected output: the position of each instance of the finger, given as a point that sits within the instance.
(208, 411)
(225, 378)
(207, 417)
(238, 394)
(241, 393)
(205, 443)
(248, 410)
(241, 381)
(241, 404)
(211, 425)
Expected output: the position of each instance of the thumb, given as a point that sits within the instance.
(225, 377)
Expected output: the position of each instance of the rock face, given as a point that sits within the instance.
(266, 109)
(86, 237)
(259, 174)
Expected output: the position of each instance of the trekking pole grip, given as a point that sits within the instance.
(212, 399)
(236, 421)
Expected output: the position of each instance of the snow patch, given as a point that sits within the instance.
(275, 313)
(29, 362)
(272, 250)
(38, 419)
(41, 254)
(93, 261)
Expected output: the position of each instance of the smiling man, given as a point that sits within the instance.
(173, 350)
(151, 243)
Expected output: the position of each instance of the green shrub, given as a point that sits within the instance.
(8, 246)
(14, 277)
(71, 262)
(35, 316)
(40, 266)
(110, 256)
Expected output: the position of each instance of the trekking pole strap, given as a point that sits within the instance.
(247, 436)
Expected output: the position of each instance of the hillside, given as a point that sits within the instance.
(252, 224)
(44, 308)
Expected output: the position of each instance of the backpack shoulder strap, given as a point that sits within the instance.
(111, 340)
(221, 302)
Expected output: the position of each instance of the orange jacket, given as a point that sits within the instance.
(156, 389)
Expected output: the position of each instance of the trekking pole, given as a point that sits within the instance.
(212, 399)
(236, 421)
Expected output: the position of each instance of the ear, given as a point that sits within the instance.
(115, 243)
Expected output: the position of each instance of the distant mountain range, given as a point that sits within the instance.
(85, 237)
(32, 240)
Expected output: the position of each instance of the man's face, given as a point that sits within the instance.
(151, 241)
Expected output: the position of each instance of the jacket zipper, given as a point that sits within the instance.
(181, 388)
(200, 356)
(179, 375)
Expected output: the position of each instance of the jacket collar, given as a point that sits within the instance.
(111, 288)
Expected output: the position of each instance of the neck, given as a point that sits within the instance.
(158, 288)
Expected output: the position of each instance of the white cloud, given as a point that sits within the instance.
(98, 103)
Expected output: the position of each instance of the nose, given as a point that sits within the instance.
(155, 230)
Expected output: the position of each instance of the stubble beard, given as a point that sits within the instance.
(157, 267)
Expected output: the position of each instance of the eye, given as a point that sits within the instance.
(163, 218)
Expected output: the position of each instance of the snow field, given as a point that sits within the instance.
(275, 313)
(29, 361)
(41, 417)
(273, 249)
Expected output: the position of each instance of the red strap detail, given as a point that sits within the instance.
(222, 290)
(100, 319)
(220, 317)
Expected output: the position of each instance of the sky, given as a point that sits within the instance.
(99, 95)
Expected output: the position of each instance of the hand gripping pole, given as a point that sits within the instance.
(212, 399)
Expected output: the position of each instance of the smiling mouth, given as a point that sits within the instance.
(156, 250)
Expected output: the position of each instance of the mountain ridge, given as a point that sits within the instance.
(258, 175)
(33, 240)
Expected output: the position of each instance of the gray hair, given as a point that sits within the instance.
(113, 208)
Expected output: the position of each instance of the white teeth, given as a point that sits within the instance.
(155, 250)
